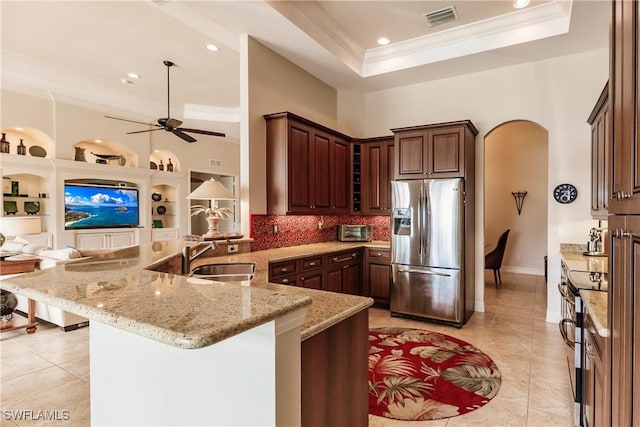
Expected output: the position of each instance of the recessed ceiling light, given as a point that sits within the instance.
(382, 41)
(125, 81)
(19, 129)
(519, 4)
(134, 75)
(212, 47)
(97, 140)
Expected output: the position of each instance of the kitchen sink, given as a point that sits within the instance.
(232, 272)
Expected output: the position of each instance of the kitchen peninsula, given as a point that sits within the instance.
(171, 350)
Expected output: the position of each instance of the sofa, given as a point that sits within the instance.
(24, 249)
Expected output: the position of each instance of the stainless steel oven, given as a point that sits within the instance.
(571, 326)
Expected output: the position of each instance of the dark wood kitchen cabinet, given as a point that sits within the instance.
(444, 150)
(600, 121)
(343, 272)
(594, 378)
(623, 366)
(377, 274)
(377, 156)
(308, 167)
(624, 97)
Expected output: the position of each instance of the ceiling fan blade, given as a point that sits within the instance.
(141, 131)
(173, 123)
(203, 132)
(130, 121)
(183, 135)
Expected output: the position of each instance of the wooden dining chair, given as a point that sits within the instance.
(493, 260)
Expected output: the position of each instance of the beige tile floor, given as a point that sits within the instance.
(49, 370)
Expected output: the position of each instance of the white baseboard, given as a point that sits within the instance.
(523, 270)
(553, 316)
(479, 306)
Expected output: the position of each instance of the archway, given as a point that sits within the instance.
(516, 161)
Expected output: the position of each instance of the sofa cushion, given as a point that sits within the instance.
(61, 254)
(13, 246)
(33, 249)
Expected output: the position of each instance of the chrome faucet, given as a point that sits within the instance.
(188, 258)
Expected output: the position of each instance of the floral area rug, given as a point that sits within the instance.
(421, 375)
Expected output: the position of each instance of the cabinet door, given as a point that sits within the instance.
(588, 382)
(377, 172)
(90, 241)
(120, 239)
(624, 325)
(340, 169)
(320, 191)
(411, 150)
(299, 163)
(312, 279)
(351, 282)
(379, 278)
(334, 280)
(445, 153)
(625, 150)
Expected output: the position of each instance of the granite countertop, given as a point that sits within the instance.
(117, 288)
(594, 300)
(597, 304)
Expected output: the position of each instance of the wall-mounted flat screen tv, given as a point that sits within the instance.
(97, 206)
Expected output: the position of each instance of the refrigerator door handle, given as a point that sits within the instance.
(432, 273)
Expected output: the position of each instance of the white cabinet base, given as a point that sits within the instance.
(142, 382)
(106, 239)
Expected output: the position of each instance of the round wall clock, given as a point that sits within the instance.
(565, 193)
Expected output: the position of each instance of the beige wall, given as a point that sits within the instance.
(515, 159)
(274, 85)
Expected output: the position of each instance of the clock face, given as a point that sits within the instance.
(565, 193)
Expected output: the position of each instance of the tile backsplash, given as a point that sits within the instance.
(295, 230)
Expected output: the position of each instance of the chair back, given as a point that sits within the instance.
(494, 258)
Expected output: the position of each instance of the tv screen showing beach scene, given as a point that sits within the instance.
(89, 206)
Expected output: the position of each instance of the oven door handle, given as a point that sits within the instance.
(562, 288)
(563, 332)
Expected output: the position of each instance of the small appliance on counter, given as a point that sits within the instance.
(355, 232)
(595, 245)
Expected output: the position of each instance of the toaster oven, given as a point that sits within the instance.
(355, 232)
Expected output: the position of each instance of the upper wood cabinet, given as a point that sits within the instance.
(308, 167)
(444, 150)
(377, 165)
(600, 121)
(624, 149)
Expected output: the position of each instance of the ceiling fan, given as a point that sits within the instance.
(170, 124)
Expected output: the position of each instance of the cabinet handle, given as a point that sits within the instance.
(312, 263)
(285, 280)
(621, 195)
(335, 259)
(345, 267)
(378, 254)
(284, 269)
(620, 233)
(302, 279)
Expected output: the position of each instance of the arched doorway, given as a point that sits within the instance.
(516, 161)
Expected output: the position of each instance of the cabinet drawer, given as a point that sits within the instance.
(312, 263)
(286, 280)
(379, 254)
(341, 258)
(284, 268)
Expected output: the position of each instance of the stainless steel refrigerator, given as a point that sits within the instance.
(428, 250)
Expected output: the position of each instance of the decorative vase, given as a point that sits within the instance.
(122, 160)
(4, 144)
(160, 166)
(169, 166)
(8, 303)
(22, 149)
(79, 154)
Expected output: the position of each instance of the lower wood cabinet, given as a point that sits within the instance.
(334, 272)
(595, 393)
(343, 273)
(377, 274)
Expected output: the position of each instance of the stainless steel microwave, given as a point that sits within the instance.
(355, 232)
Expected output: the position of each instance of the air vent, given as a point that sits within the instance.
(441, 16)
(214, 162)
